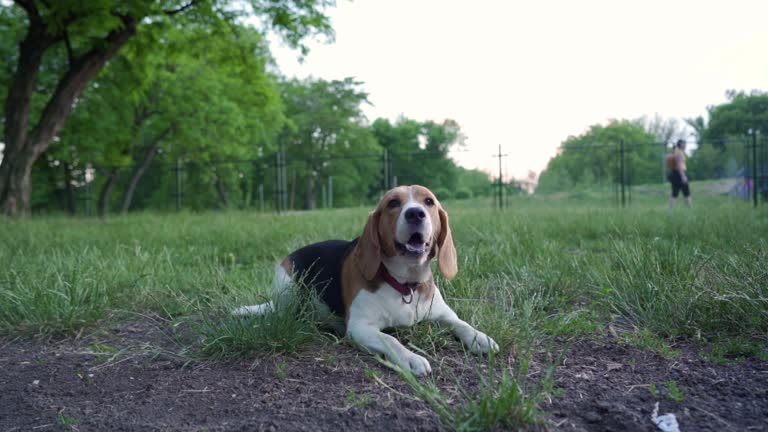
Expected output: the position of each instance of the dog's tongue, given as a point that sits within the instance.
(415, 244)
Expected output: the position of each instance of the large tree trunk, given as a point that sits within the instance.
(222, 191)
(22, 146)
(138, 173)
(106, 191)
(16, 183)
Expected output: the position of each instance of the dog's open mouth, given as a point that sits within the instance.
(414, 246)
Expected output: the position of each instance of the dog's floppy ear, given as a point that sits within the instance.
(368, 249)
(446, 255)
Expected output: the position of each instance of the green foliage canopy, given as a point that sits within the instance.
(593, 157)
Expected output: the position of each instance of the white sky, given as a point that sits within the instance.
(528, 74)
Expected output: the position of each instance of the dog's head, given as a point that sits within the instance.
(408, 221)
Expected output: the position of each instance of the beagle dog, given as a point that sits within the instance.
(383, 278)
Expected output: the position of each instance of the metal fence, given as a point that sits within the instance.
(276, 183)
(736, 167)
(282, 181)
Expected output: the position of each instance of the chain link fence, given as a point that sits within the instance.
(623, 172)
(275, 183)
(618, 173)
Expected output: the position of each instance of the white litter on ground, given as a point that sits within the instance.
(666, 423)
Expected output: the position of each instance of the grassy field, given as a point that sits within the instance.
(539, 270)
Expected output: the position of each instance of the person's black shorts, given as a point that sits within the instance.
(677, 184)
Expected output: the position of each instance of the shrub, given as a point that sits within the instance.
(463, 193)
(442, 193)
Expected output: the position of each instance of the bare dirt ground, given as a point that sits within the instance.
(70, 385)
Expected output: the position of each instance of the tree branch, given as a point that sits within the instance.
(29, 6)
(19, 98)
(74, 81)
(180, 9)
(68, 45)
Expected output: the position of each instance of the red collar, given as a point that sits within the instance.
(405, 289)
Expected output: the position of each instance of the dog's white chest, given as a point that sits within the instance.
(388, 308)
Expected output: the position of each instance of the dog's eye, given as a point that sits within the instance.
(429, 202)
(393, 203)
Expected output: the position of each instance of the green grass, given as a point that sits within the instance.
(543, 268)
(505, 397)
(220, 335)
(540, 264)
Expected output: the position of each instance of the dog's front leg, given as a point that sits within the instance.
(477, 341)
(370, 339)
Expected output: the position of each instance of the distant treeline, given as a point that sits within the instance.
(723, 146)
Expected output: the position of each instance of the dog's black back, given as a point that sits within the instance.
(318, 266)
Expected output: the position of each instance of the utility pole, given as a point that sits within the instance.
(501, 182)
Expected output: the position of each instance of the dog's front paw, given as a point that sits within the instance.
(415, 364)
(481, 343)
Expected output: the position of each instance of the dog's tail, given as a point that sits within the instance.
(281, 294)
(259, 309)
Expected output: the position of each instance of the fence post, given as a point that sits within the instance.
(385, 162)
(87, 191)
(330, 191)
(501, 182)
(763, 165)
(621, 175)
(325, 196)
(179, 168)
(261, 197)
(617, 182)
(754, 168)
(628, 176)
(285, 180)
(663, 162)
(278, 184)
(255, 177)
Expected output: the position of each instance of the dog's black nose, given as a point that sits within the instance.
(415, 215)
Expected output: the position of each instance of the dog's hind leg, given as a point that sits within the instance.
(282, 291)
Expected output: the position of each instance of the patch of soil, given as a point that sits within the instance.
(608, 386)
(66, 385)
(48, 385)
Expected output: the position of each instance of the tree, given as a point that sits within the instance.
(203, 95)
(325, 124)
(593, 157)
(665, 132)
(419, 150)
(72, 41)
(699, 126)
(477, 182)
(743, 112)
(722, 141)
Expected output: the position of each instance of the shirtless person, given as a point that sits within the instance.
(677, 176)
